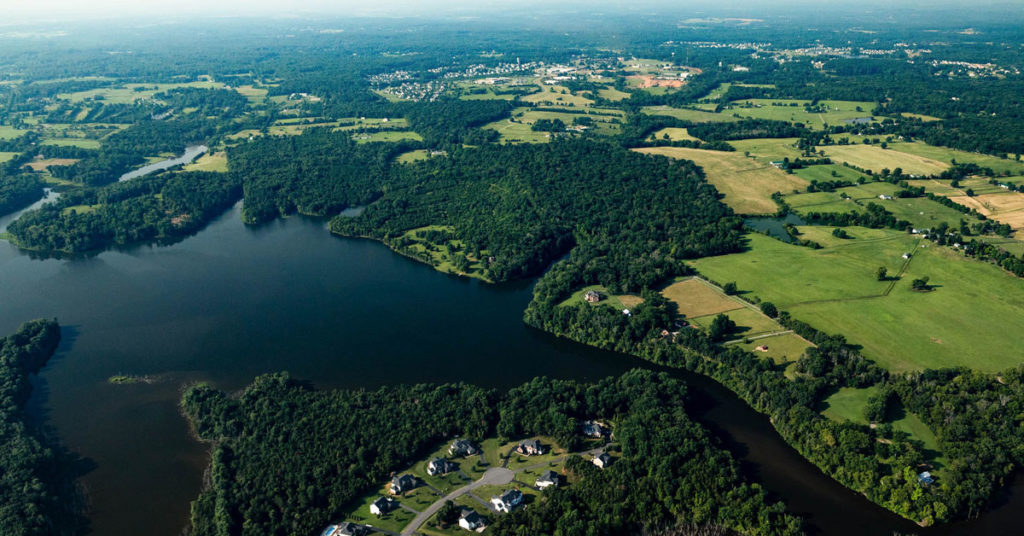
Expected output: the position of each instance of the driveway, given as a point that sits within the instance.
(496, 476)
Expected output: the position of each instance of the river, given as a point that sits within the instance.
(190, 154)
(236, 301)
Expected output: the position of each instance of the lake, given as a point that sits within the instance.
(190, 154)
(236, 301)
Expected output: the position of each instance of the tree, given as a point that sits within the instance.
(882, 273)
(729, 288)
(921, 284)
(769, 309)
(721, 327)
(448, 514)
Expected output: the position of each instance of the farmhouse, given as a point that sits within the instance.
(885, 197)
(530, 447)
(548, 479)
(461, 447)
(382, 506)
(401, 484)
(602, 460)
(440, 466)
(507, 501)
(470, 520)
(592, 296)
(777, 163)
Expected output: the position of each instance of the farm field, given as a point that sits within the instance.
(695, 298)
(518, 128)
(1004, 207)
(209, 162)
(612, 94)
(835, 290)
(825, 173)
(838, 113)
(687, 114)
(783, 348)
(388, 135)
(673, 134)
(73, 142)
(129, 93)
(41, 165)
(944, 154)
(767, 150)
(875, 158)
(5, 156)
(749, 323)
(747, 185)
(8, 132)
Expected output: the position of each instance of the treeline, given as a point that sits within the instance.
(530, 204)
(164, 208)
(18, 190)
(36, 494)
(317, 173)
(288, 459)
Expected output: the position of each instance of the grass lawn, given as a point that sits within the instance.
(686, 114)
(749, 323)
(765, 150)
(209, 162)
(9, 132)
(784, 348)
(674, 134)
(922, 212)
(388, 136)
(825, 173)
(394, 521)
(73, 142)
(518, 461)
(874, 158)
(81, 209)
(416, 155)
(617, 302)
(430, 528)
(834, 289)
(746, 184)
(946, 155)
(254, 94)
(696, 298)
(5, 156)
(441, 255)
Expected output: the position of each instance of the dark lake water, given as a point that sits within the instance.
(775, 226)
(235, 301)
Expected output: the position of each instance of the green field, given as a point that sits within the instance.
(874, 158)
(618, 303)
(4, 156)
(749, 323)
(825, 173)
(686, 114)
(388, 136)
(517, 129)
(835, 290)
(943, 154)
(555, 95)
(848, 404)
(767, 150)
(838, 111)
(673, 134)
(782, 348)
(440, 255)
(129, 93)
(9, 132)
(74, 142)
(613, 94)
(209, 162)
(747, 184)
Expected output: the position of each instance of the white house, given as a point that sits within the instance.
(507, 501)
(602, 460)
(382, 506)
(470, 520)
(401, 484)
(548, 479)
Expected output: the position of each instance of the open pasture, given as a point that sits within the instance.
(687, 114)
(874, 158)
(781, 110)
(555, 95)
(217, 161)
(129, 93)
(746, 184)
(42, 164)
(835, 290)
(948, 156)
(781, 348)
(1006, 207)
(695, 298)
(673, 134)
(767, 150)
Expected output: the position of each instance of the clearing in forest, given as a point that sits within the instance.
(695, 298)
(746, 184)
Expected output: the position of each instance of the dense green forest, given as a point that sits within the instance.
(36, 496)
(288, 459)
(167, 207)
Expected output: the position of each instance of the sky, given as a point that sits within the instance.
(22, 10)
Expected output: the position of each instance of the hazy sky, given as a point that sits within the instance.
(19, 10)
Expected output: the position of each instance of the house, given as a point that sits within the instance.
(885, 197)
(592, 296)
(626, 312)
(547, 479)
(461, 447)
(925, 478)
(530, 447)
(762, 348)
(382, 506)
(402, 484)
(507, 501)
(470, 520)
(777, 163)
(602, 460)
(592, 429)
(440, 466)
(346, 529)
(906, 255)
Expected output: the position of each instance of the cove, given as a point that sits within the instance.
(237, 301)
(190, 154)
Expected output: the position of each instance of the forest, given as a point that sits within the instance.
(288, 459)
(37, 496)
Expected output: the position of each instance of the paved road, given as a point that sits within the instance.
(497, 476)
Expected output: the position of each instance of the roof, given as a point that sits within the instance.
(530, 443)
(382, 501)
(548, 476)
(510, 496)
(471, 515)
